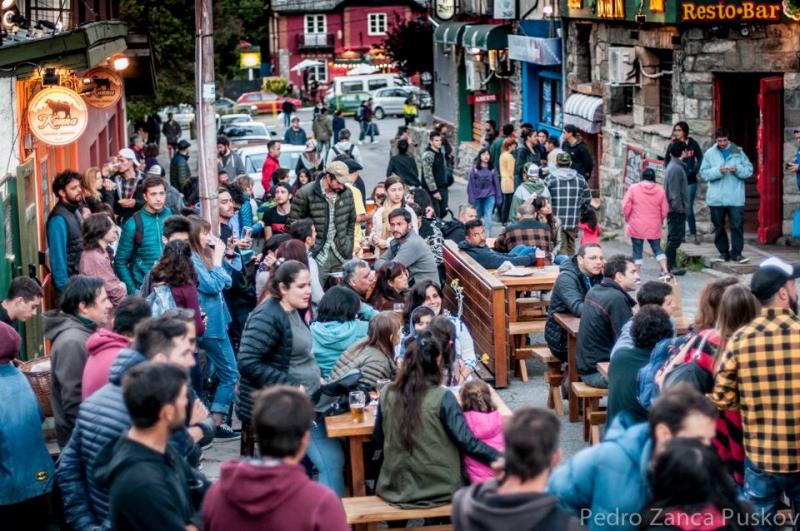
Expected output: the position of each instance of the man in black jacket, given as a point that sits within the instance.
(606, 309)
(434, 173)
(576, 277)
(531, 152)
(150, 485)
(475, 246)
(582, 161)
(454, 229)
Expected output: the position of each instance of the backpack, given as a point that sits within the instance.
(348, 152)
(646, 387)
(138, 234)
(359, 114)
(160, 300)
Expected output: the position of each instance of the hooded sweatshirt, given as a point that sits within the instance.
(68, 335)
(480, 508)
(645, 207)
(147, 489)
(103, 347)
(329, 340)
(256, 495)
(486, 427)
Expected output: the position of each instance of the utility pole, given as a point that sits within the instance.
(204, 116)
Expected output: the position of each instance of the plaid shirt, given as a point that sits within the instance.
(759, 373)
(569, 195)
(529, 232)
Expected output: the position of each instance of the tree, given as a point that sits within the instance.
(409, 43)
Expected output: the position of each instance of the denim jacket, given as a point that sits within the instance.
(209, 289)
(26, 468)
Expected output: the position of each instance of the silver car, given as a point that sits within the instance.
(390, 100)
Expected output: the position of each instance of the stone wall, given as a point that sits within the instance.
(701, 53)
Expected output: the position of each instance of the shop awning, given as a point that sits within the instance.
(486, 36)
(534, 50)
(449, 32)
(584, 112)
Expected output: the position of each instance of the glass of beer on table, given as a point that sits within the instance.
(358, 400)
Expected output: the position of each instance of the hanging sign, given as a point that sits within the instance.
(731, 11)
(445, 9)
(505, 9)
(107, 87)
(57, 116)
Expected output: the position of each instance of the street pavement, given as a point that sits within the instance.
(518, 394)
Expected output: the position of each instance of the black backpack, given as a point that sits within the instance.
(348, 152)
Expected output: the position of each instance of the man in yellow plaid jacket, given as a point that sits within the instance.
(759, 373)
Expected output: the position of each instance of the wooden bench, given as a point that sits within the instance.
(531, 308)
(367, 512)
(553, 373)
(593, 415)
(484, 310)
(518, 333)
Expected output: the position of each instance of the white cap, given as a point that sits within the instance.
(127, 153)
(155, 169)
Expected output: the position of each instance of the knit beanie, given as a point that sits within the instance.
(9, 343)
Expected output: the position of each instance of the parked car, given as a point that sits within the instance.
(390, 100)
(253, 159)
(226, 120)
(224, 105)
(246, 133)
(263, 102)
(349, 103)
(182, 113)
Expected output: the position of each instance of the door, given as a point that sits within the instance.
(28, 215)
(770, 145)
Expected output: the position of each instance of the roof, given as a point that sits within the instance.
(321, 6)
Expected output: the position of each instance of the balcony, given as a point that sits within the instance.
(314, 41)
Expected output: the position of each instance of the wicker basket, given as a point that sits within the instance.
(39, 375)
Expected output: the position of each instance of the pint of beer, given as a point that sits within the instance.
(357, 402)
(370, 207)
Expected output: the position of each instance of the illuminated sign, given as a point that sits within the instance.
(732, 12)
(107, 87)
(57, 116)
(611, 8)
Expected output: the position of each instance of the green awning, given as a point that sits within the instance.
(486, 36)
(449, 32)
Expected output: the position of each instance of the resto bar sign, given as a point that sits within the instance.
(57, 116)
(748, 11)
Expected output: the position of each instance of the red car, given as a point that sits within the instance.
(261, 102)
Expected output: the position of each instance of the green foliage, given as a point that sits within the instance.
(408, 43)
(276, 85)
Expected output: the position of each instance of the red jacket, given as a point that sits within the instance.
(103, 347)
(254, 495)
(270, 165)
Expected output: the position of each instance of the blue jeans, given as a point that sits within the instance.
(523, 250)
(328, 456)
(484, 207)
(595, 379)
(367, 129)
(220, 355)
(287, 119)
(558, 260)
(690, 214)
(765, 489)
(638, 249)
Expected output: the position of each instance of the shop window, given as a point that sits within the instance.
(665, 85)
(377, 23)
(583, 53)
(319, 72)
(550, 101)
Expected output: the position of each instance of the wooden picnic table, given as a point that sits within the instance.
(357, 433)
(570, 324)
(542, 279)
(602, 368)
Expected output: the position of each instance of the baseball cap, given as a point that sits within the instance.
(533, 170)
(155, 169)
(127, 153)
(352, 165)
(183, 144)
(339, 171)
(770, 276)
(563, 159)
(311, 145)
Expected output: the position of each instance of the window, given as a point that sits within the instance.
(348, 87)
(550, 101)
(319, 72)
(316, 24)
(621, 101)
(377, 23)
(373, 84)
(665, 86)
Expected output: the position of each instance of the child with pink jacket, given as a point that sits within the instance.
(485, 423)
(645, 208)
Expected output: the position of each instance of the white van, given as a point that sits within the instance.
(363, 83)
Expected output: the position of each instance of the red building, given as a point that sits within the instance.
(339, 33)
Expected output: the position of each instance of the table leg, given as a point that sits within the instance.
(572, 344)
(356, 446)
(512, 305)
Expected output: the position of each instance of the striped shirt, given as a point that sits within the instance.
(759, 373)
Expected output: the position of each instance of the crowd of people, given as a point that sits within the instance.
(167, 331)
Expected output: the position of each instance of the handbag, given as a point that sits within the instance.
(334, 398)
(689, 371)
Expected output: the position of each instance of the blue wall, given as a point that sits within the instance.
(531, 75)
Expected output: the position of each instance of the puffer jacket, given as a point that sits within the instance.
(607, 307)
(102, 418)
(132, 263)
(103, 347)
(645, 209)
(265, 353)
(725, 189)
(568, 293)
(310, 203)
(610, 478)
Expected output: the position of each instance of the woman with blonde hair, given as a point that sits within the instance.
(395, 198)
(98, 191)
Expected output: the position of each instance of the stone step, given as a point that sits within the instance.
(734, 268)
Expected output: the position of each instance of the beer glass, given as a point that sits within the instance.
(357, 402)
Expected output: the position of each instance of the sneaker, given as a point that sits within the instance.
(374, 141)
(360, 143)
(226, 433)
(666, 277)
(678, 272)
(741, 259)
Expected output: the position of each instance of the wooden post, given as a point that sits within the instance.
(204, 115)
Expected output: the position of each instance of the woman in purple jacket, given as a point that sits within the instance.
(483, 188)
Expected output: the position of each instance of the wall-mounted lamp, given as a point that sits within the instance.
(547, 11)
(50, 77)
(120, 62)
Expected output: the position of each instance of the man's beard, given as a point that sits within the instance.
(793, 305)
